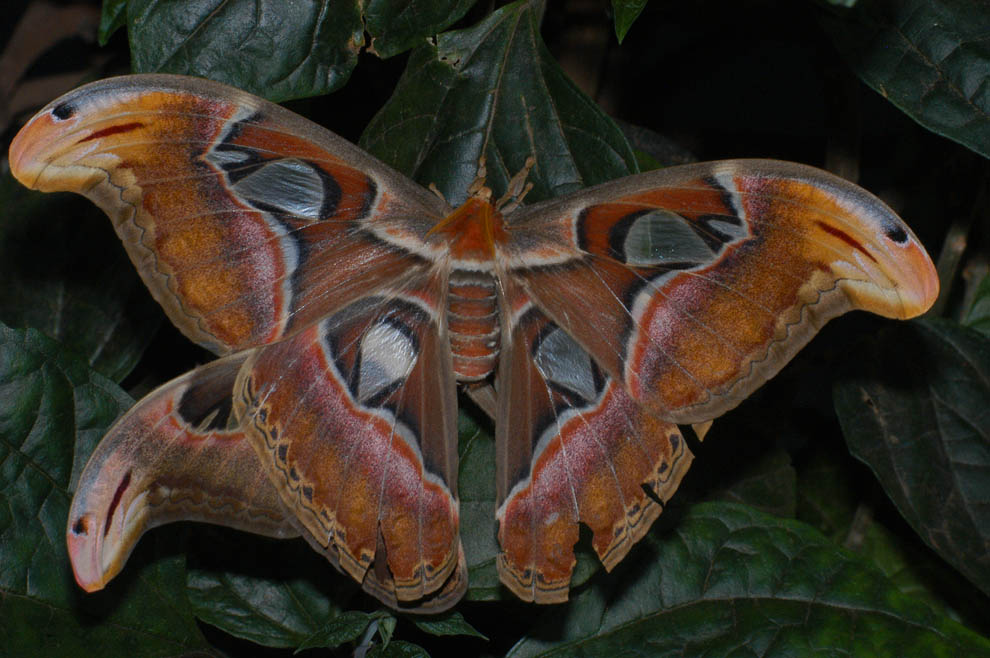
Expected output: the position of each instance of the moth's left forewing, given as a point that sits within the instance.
(694, 285)
(247, 222)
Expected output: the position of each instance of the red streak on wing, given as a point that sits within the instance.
(117, 495)
(112, 130)
(845, 237)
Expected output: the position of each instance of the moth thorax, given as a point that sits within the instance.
(472, 318)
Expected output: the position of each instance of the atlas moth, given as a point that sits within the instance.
(346, 302)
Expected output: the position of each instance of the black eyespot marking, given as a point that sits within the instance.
(897, 234)
(63, 111)
(81, 526)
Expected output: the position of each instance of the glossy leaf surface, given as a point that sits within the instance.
(625, 13)
(398, 26)
(728, 577)
(978, 316)
(269, 594)
(113, 17)
(494, 90)
(928, 57)
(276, 49)
(923, 426)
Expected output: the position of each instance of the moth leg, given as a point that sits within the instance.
(433, 188)
(478, 184)
(518, 188)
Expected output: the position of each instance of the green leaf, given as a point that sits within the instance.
(769, 484)
(450, 623)
(494, 90)
(476, 488)
(829, 499)
(916, 414)
(912, 568)
(927, 57)
(978, 316)
(53, 410)
(728, 580)
(345, 627)
(398, 649)
(271, 48)
(279, 593)
(398, 26)
(652, 149)
(626, 12)
(386, 628)
(54, 281)
(112, 18)
(826, 495)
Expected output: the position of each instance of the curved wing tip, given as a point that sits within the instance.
(929, 291)
(90, 586)
(84, 568)
(22, 154)
(917, 280)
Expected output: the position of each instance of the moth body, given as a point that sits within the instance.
(473, 322)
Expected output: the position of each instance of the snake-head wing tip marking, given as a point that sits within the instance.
(171, 457)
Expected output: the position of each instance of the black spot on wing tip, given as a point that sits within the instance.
(63, 111)
(897, 234)
(81, 526)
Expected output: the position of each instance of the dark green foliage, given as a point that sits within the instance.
(928, 57)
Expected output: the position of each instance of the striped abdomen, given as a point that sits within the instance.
(472, 317)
